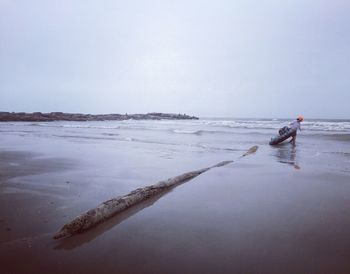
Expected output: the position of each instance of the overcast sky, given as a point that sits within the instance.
(218, 58)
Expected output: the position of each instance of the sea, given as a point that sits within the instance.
(206, 137)
(205, 134)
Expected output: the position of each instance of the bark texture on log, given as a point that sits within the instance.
(116, 205)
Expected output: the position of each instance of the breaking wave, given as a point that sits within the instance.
(197, 127)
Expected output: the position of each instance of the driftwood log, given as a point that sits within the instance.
(116, 205)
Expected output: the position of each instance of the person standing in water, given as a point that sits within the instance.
(295, 125)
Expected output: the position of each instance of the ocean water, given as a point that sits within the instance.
(149, 130)
(203, 139)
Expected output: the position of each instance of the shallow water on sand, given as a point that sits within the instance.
(282, 210)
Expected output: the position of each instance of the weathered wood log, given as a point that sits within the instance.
(250, 151)
(116, 205)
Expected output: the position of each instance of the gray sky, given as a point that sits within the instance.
(218, 58)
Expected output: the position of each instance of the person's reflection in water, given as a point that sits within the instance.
(287, 154)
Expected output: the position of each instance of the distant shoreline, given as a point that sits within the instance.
(61, 116)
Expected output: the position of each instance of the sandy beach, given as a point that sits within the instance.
(284, 209)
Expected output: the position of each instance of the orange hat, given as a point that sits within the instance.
(300, 118)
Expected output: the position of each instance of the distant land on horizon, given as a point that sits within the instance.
(61, 116)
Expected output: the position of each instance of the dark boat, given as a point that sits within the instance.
(280, 138)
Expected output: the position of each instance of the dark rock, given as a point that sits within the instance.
(60, 116)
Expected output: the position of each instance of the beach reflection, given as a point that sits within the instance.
(287, 154)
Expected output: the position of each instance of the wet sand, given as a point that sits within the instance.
(283, 210)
